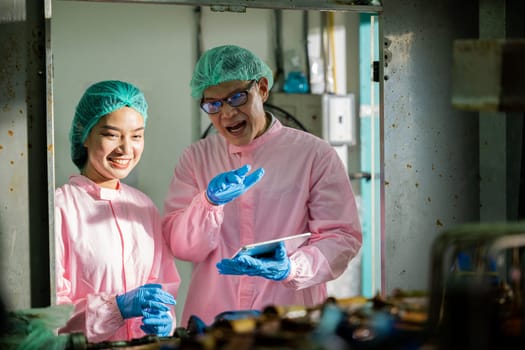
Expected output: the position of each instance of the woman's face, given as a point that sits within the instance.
(239, 125)
(114, 147)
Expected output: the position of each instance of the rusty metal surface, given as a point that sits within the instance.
(430, 149)
(14, 210)
(24, 233)
(50, 147)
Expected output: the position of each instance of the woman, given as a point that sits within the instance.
(112, 262)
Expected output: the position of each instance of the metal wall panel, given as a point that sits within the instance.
(24, 210)
(430, 149)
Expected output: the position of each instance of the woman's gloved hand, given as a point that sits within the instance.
(148, 297)
(227, 186)
(275, 268)
(157, 322)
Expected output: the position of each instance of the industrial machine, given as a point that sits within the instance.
(475, 301)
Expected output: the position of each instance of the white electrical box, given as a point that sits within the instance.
(342, 152)
(331, 117)
(339, 117)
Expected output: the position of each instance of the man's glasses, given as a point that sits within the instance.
(235, 100)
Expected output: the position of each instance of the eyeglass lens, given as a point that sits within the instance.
(235, 100)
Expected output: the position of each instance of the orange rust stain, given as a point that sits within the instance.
(50, 148)
(10, 132)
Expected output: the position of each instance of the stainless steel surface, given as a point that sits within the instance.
(50, 134)
(14, 192)
(429, 148)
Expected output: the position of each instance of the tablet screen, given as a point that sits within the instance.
(267, 247)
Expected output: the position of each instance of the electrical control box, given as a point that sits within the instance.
(342, 152)
(331, 117)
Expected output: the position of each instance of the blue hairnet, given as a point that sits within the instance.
(98, 100)
(226, 63)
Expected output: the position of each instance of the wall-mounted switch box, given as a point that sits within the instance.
(339, 119)
(331, 117)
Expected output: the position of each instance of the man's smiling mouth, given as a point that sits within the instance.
(237, 127)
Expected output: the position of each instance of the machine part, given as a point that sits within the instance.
(488, 75)
(470, 306)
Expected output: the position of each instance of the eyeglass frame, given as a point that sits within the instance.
(227, 100)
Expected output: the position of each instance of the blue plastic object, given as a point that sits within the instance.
(143, 300)
(276, 267)
(227, 186)
(157, 322)
(296, 83)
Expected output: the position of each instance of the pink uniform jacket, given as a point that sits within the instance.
(107, 242)
(305, 188)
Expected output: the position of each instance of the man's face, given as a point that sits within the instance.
(242, 124)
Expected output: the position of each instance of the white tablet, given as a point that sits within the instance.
(262, 248)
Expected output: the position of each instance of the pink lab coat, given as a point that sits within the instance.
(107, 242)
(305, 188)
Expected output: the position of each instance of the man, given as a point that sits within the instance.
(215, 205)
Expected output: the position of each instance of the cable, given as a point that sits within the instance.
(279, 73)
(284, 117)
(306, 51)
(295, 122)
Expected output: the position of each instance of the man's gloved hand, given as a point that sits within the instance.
(227, 186)
(275, 268)
(157, 322)
(148, 297)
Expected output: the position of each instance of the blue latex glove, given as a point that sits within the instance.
(276, 267)
(227, 186)
(157, 322)
(147, 298)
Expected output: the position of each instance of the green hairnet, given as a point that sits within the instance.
(98, 100)
(226, 63)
